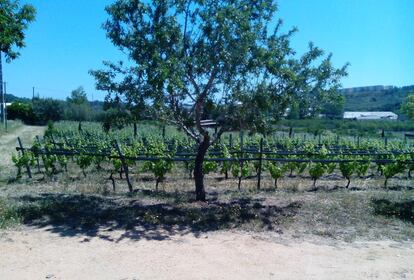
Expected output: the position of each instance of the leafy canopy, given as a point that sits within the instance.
(14, 20)
(194, 59)
(78, 96)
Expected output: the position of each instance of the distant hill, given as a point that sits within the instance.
(12, 98)
(376, 98)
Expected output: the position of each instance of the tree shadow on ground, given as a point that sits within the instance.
(401, 210)
(97, 216)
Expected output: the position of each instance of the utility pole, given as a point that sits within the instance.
(5, 107)
(33, 93)
(1, 87)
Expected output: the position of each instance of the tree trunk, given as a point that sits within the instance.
(135, 130)
(349, 182)
(157, 181)
(198, 169)
(112, 180)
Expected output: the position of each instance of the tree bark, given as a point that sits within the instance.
(135, 130)
(198, 168)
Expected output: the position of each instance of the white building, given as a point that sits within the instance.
(370, 115)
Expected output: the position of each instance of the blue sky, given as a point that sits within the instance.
(375, 36)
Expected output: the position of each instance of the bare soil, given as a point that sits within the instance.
(40, 254)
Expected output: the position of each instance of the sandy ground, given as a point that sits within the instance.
(39, 254)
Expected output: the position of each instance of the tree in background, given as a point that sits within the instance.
(78, 96)
(407, 108)
(47, 109)
(293, 111)
(333, 106)
(22, 111)
(189, 59)
(14, 20)
(78, 107)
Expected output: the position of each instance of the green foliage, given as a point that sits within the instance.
(347, 169)
(391, 169)
(226, 165)
(78, 97)
(362, 168)
(316, 171)
(200, 50)
(77, 107)
(48, 109)
(332, 106)
(21, 160)
(209, 166)
(159, 167)
(21, 111)
(276, 171)
(14, 20)
(388, 100)
(241, 171)
(408, 107)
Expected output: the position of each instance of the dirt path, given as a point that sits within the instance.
(8, 143)
(40, 254)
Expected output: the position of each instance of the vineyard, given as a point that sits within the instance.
(161, 151)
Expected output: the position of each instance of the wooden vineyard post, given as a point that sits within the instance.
(29, 172)
(241, 160)
(231, 141)
(124, 165)
(37, 156)
(259, 173)
(385, 142)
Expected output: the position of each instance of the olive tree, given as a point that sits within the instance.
(228, 59)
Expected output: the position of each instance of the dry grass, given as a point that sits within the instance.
(367, 213)
(70, 201)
